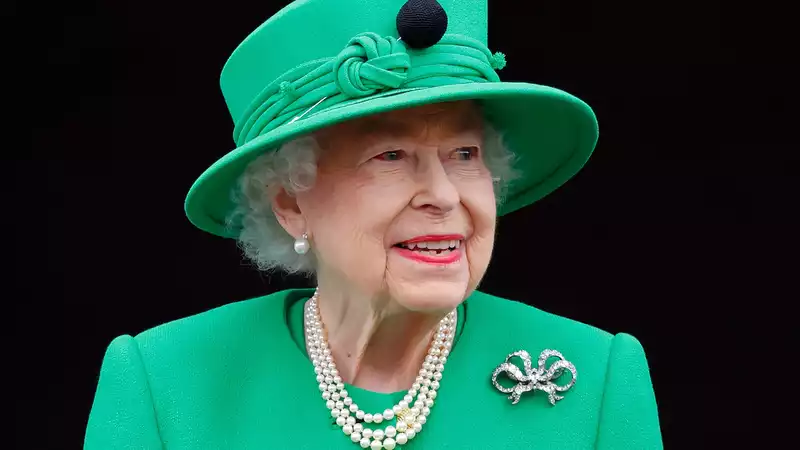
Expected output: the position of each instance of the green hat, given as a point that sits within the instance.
(320, 62)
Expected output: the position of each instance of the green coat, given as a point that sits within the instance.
(237, 377)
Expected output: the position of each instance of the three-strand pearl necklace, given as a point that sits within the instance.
(411, 413)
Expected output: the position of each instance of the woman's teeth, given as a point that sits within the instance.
(432, 247)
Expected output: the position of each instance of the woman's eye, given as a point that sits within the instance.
(465, 153)
(393, 155)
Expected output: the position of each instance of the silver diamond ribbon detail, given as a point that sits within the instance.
(539, 378)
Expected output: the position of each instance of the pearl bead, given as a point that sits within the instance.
(336, 397)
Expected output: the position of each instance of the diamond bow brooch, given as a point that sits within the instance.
(540, 378)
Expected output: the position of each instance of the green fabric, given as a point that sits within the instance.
(368, 64)
(235, 378)
(320, 62)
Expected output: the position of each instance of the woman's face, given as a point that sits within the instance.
(390, 184)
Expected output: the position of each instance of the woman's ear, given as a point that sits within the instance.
(288, 213)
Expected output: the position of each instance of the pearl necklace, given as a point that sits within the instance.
(409, 417)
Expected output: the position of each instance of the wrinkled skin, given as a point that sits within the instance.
(382, 180)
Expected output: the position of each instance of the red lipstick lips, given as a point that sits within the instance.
(441, 249)
(435, 237)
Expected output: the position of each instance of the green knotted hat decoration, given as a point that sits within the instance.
(320, 62)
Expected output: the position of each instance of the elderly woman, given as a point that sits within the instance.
(378, 165)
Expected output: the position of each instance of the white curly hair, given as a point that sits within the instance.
(293, 166)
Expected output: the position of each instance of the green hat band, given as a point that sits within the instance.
(370, 64)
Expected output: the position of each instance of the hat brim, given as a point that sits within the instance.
(551, 133)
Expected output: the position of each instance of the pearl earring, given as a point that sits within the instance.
(301, 244)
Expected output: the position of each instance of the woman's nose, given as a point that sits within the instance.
(435, 189)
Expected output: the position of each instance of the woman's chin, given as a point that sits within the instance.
(430, 295)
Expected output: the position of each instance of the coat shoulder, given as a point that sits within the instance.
(520, 318)
(220, 331)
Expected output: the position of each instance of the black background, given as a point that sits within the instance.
(680, 230)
